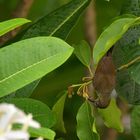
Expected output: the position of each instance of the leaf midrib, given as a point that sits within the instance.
(56, 29)
(24, 69)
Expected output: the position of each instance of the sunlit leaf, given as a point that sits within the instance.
(85, 123)
(112, 116)
(83, 52)
(58, 23)
(42, 132)
(38, 132)
(58, 111)
(111, 35)
(26, 61)
(11, 24)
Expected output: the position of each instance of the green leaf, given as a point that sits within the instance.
(130, 60)
(134, 70)
(58, 23)
(58, 111)
(111, 35)
(37, 132)
(125, 50)
(127, 88)
(131, 7)
(40, 111)
(26, 91)
(26, 61)
(21, 93)
(95, 130)
(135, 122)
(85, 122)
(42, 132)
(83, 52)
(112, 116)
(11, 24)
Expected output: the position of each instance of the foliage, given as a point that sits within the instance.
(41, 48)
(58, 23)
(85, 122)
(125, 51)
(111, 35)
(42, 53)
(135, 116)
(114, 120)
(39, 110)
(43, 132)
(58, 111)
(9, 25)
(83, 53)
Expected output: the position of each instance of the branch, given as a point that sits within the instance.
(91, 37)
(90, 34)
(21, 10)
(90, 24)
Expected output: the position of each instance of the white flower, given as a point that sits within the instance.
(10, 115)
(40, 138)
(15, 135)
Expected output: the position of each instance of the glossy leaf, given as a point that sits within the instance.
(112, 116)
(58, 23)
(135, 122)
(40, 111)
(38, 132)
(26, 61)
(83, 52)
(85, 122)
(95, 130)
(42, 132)
(111, 35)
(58, 111)
(11, 24)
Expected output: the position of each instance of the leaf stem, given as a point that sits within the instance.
(90, 71)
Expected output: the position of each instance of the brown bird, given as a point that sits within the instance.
(104, 81)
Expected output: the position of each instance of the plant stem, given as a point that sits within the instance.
(129, 64)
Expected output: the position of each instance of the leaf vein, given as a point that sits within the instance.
(24, 69)
(56, 29)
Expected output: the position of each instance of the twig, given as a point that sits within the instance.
(90, 24)
(129, 64)
(90, 35)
